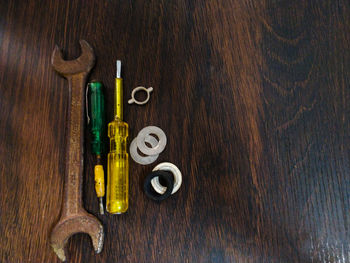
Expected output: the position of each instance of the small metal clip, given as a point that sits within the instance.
(133, 100)
(87, 103)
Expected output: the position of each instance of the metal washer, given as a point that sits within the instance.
(147, 131)
(176, 173)
(143, 159)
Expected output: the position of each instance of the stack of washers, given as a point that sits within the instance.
(165, 178)
(148, 135)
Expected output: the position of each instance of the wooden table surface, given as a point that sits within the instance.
(252, 95)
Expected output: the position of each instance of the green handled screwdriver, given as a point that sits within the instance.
(96, 101)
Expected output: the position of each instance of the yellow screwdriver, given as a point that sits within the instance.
(118, 159)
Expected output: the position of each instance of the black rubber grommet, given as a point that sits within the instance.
(166, 178)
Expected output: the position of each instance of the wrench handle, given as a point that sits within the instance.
(74, 148)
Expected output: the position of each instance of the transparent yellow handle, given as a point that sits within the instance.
(118, 168)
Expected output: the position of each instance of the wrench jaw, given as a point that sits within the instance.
(82, 64)
(67, 227)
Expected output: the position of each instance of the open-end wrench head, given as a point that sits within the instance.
(77, 224)
(84, 63)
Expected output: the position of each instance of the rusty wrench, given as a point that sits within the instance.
(74, 218)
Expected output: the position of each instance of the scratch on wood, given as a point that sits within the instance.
(299, 113)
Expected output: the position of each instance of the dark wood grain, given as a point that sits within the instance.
(253, 96)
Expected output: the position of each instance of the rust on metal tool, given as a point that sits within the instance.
(74, 218)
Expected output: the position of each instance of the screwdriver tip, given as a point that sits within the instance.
(101, 206)
(119, 68)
